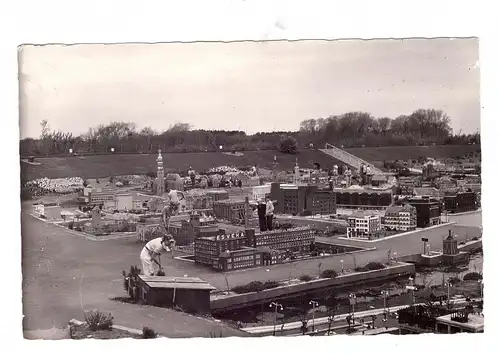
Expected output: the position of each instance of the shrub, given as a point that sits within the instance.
(454, 280)
(305, 278)
(148, 333)
(288, 145)
(329, 273)
(475, 238)
(473, 276)
(71, 225)
(306, 213)
(132, 273)
(255, 286)
(374, 266)
(98, 321)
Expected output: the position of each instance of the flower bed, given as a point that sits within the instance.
(84, 332)
(59, 185)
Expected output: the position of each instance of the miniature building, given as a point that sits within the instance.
(359, 198)
(185, 232)
(270, 256)
(246, 257)
(446, 183)
(450, 245)
(217, 195)
(449, 324)
(293, 240)
(378, 180)
(363, 224)
(401, 218)
(191, 294)
(208, 249)
(460, 202)
(229, 209)
(293, 199)
(124, 202)
(407, 185)
(105, 198)
(451, 254)
(428, 211)
(429, 192)
(261, 192)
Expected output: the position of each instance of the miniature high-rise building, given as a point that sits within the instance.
(160, 176)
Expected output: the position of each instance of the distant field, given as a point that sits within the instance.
(113, 165)
(390, 153)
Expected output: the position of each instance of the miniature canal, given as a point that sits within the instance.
(368, 296)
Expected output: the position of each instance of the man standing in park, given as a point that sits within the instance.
(171, 207)
(269, 213)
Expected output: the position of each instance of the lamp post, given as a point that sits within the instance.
(385, 293)
(314, 305)
(411, 288)
(448, 286)
(342, 265)
(276, 305)
(352, 300)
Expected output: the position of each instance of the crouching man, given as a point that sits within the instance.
(151, 253)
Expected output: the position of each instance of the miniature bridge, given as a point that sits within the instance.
(348, 159)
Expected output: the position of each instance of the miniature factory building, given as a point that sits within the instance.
(191, 294)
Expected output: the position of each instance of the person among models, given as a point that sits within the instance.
(269, 213)
(192, 175)
(261, 212)
(171, 208)
(150, 254)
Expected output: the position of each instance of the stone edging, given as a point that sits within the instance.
(121, 328)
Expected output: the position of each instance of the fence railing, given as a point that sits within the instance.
(347, 157)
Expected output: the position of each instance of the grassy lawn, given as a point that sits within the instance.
(113, 165)
(391, 153)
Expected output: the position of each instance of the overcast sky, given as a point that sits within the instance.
(251, 86)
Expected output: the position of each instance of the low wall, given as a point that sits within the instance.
(243, 300)
(471, 246)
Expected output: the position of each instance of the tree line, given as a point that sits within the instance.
(352, 129)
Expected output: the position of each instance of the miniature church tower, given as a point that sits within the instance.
(160, 176)
(296, 175)
(275, 172)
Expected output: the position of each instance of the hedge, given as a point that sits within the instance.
(255, 286)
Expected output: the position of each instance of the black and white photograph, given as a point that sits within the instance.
(251, 189)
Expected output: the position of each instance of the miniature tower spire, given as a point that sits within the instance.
(160, 175)
(296, 175)
(275, 173)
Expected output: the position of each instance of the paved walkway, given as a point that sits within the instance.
(63, 275)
